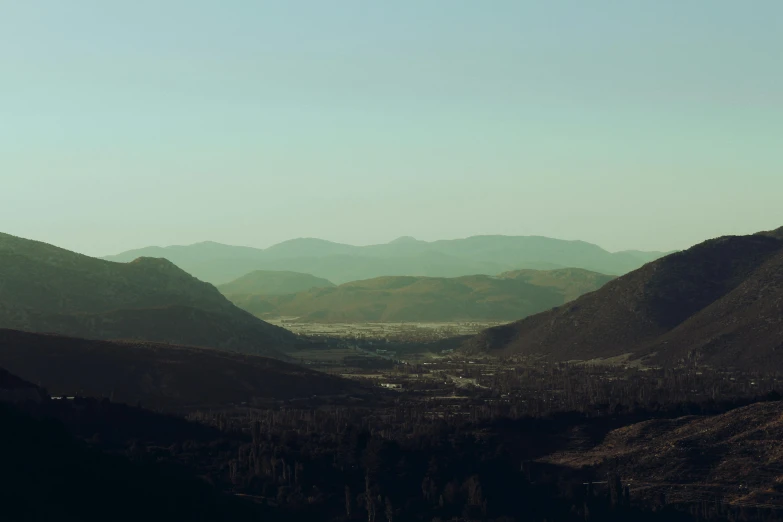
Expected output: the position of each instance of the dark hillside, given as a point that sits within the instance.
(160, 376)
(734, 456)
(635, 310)
(744, 329)
(48, 475)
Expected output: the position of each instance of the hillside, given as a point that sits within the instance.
(48, 289)
(404, 256)
(14, 390)
(271, 282)
(724, 294)
(48, 474)
(572, 282)
(735, 455)
(428, 299)
(160, 376)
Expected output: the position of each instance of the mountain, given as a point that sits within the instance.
(430, 299)
(269, 282)
(161, 376)
(720, 302)
(405, 256)
(48, 289)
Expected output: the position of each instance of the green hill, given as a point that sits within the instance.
(429, 299)
(272, 282)
(48, 289)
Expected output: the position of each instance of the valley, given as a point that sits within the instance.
(360, 416)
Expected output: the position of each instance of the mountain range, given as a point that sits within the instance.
(341, 263)
(44, 288)
(425, 299)
(718, 303)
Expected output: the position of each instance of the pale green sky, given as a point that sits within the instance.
(630, 124)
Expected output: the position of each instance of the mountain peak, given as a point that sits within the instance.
(404, 239)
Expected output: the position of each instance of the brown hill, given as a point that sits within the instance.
(430, 299)
(742, 329)
(735, 456)
(48, 289)
(681, 295)
(159, 375)
(572, 282)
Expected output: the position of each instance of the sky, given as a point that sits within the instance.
(631, 124)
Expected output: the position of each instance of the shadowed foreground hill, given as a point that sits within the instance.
(405, 256)
(736, 455)
(48, 475)
(160, 376)
(271, 282)
(720, 302)
(48, 289)
(423, 299)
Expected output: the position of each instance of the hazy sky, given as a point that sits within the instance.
(631, 124)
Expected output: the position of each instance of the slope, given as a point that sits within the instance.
(632, 313)
(49, 475)
(744, 329)
(427, 299)
(572, 282)
(270, 282)
(160, 376)
(405, 256)
(48, 289)
(736, 455)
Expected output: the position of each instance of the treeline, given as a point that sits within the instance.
(352, 464)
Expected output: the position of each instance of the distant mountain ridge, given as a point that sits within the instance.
(406, 256)
(429, 299)
(44, 288)
(719, 302)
